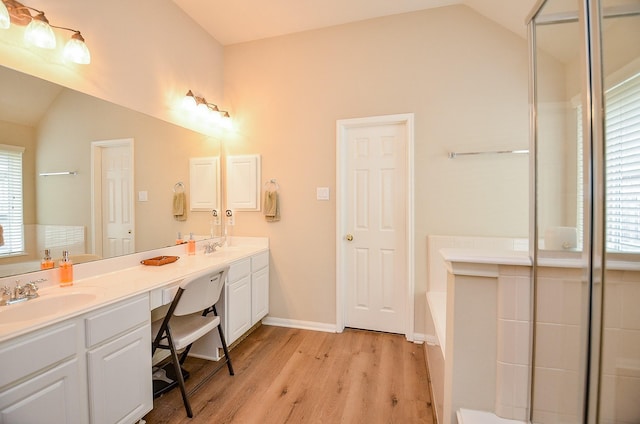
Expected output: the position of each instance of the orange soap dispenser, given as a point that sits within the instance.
(66, 270)
(191, 245)
(47, 262)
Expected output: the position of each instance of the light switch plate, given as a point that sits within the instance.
(142, 196)
(322, 193)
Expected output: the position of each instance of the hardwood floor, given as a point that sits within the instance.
(285, 375)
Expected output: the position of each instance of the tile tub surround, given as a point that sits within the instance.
(499, 268)
(123, 277)
(560, 330)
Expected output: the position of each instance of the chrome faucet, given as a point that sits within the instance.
(211, 247)
(20, 293)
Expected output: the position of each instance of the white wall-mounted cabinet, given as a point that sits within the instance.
(204, 182)
(47, 374)
(243, 182)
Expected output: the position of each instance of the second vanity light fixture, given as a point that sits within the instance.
(208, 111)
(39, 32)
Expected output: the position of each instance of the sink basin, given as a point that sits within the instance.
(45, 305)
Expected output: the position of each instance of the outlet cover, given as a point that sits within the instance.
(322, 193)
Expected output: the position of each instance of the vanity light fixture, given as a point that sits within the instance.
(208, 111)
(5, 19)
(39, 32)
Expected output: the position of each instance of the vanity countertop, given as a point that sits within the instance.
(105, 288)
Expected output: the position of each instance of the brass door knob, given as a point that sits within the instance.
(349, 237)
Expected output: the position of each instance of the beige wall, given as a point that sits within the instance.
(463, 76)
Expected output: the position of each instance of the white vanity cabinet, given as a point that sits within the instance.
(237, 302)
(94, 368)
(259, 286)
(42, 377)
(119, 362)
(247, 295)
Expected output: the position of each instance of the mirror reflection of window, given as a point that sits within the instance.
(11, 235)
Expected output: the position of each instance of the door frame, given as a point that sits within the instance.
(342, 125)
(96, 188)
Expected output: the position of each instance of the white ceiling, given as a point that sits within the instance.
(237, 21)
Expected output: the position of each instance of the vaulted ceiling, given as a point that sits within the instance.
(232, 22)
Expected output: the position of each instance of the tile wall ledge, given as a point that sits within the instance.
(485, 262)
(482, 262)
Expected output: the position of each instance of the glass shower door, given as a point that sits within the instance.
(586, 228)
(618, 397)
(561, 243)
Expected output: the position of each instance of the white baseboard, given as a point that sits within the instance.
(431, 339)
(302, 325)
(418, 338)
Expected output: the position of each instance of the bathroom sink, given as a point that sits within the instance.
(46, 305)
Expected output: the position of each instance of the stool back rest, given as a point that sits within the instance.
(201, 291)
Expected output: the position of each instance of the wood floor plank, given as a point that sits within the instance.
(288, 375)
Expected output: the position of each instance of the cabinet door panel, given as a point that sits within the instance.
(51, 397)
(260, 295)
(238, 308)
(120, 385)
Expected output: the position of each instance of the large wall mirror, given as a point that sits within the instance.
(91, 169)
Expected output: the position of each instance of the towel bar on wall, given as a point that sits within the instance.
(453, 155)
(48, 174)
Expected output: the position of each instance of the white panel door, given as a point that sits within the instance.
(376, 228)
(117, 202)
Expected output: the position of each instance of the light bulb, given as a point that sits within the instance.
(226, 122)
(76, 50)
(38, 33)
(5, 19)
(203, 110)
(189, 101)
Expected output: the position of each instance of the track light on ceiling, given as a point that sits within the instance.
(208, 111)
(39, 32)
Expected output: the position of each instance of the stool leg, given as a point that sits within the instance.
(226, 350)
(178, 371)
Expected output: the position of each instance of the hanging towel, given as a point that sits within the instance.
(1, 236)
(271, 206)
(180, 206)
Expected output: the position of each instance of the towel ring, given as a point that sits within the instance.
(178, 187)
(272, 185)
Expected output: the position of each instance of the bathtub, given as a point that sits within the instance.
(438, 358)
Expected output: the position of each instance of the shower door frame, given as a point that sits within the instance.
(593, 248)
